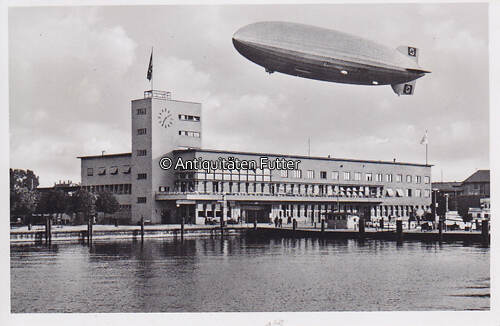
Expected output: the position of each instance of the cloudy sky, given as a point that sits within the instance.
(74, 70)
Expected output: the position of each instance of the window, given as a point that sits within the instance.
(335, 175)
(126, 169)
(378, 177)
(399, 178)
(408, 178)
(322, 174)
(310, 174)
(185, 117)
(113, 170)
(102, 171)
(418, 179)
(141, 111)
(90, 171)
(369, 177)
(357, 176)
(141, 131)
(427, 193)
(141, 152)
(296, 174)
(347, 175)
(408, 192)
(388, 177)
(427, 180)
(141, 200)
(141, 176)
(195, 134)
(284, 173)
(418, 193)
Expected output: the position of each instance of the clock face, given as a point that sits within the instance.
(165, 118)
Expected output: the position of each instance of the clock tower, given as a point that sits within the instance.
(160, 125)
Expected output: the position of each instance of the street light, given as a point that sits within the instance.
(435, 204)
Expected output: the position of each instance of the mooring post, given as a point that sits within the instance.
(484, 230)
(142, 228)
(361, 227)
(440, 228)
(399, 228)
(89, 231)
(46, 230)
(322, 226)
(222, 225)
(255, 223)
(182, 228)
(294, 224)
(50, 230)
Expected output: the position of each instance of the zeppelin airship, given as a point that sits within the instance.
(323, 54)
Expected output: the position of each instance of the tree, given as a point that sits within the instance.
(54, 201)
(83, 201)
(23, 195)
(106, 202)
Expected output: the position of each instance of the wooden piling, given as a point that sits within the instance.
(50, 230)
(294, 224)
(322, 226)
(485, 230)
(361, 227)
(182, 228)
(440, 228)
(142, 228)
(46, 230)
(399, 228)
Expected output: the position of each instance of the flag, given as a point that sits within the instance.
(150, 68)
(424, 140)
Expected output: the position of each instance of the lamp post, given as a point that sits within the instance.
(435, 204)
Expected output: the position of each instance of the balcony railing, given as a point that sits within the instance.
(266, 194)
(161, 95)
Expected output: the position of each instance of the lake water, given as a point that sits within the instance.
(242, 274)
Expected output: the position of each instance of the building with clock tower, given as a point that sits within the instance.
(167, 128)
(160, 125)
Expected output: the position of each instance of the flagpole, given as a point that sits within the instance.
(152, 74)
(426, 154)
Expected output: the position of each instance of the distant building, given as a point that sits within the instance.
(450, 188)
(66, 186)
(166, 128)
(477, 184)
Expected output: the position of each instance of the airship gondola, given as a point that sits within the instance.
(323, 54)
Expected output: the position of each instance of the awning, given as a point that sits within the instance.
(101, 171)
(113, 170)
(390, 192)
(400, 192)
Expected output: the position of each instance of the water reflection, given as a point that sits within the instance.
(242, 274)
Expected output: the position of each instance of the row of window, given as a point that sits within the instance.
(185, 117)
(119, 189)
(355, 176)
(297, 189)
(114, 170)
(141, 152)
(195, 134)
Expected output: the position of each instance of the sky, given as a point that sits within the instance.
(74, 70)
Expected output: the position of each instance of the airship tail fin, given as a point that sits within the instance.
(409, 51)
(405, 88)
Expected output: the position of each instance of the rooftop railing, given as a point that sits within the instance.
(161, 95)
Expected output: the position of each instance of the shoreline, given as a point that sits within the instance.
(79, 233)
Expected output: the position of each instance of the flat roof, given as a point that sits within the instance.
(298, 156)
(105, 155)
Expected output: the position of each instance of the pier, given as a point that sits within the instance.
(84, 233)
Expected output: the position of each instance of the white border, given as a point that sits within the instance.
(491, 317)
